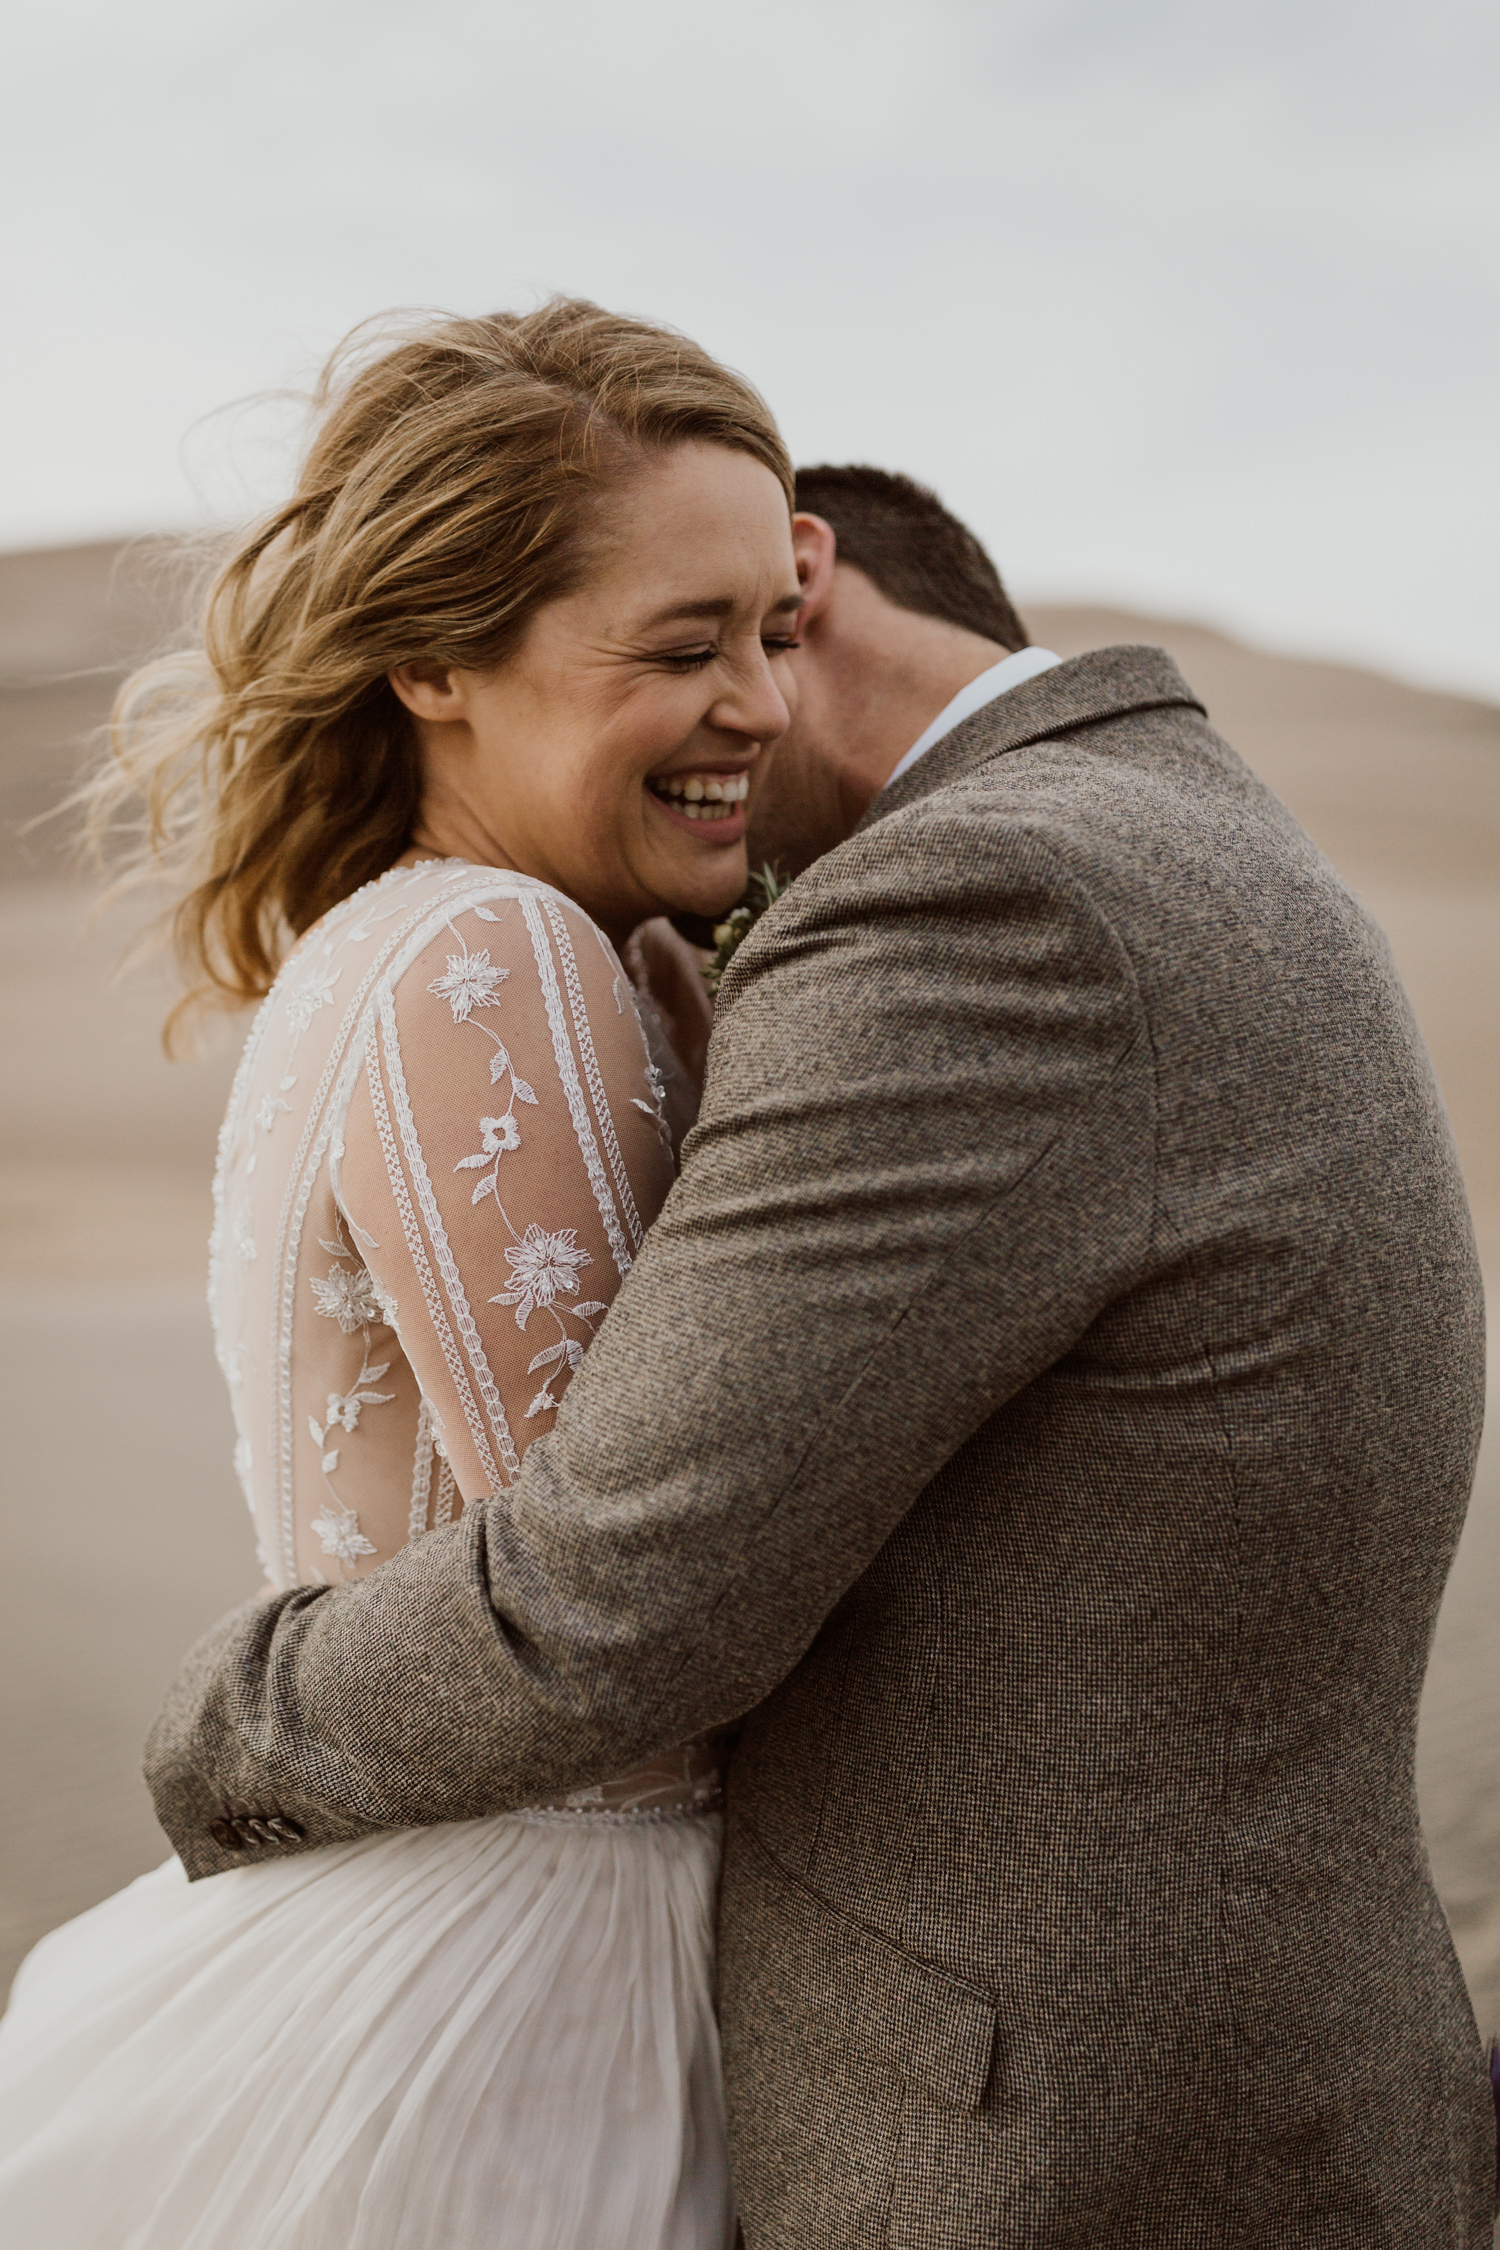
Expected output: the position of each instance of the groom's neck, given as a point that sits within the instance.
(886, 673)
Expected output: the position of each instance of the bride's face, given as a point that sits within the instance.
(613, 754)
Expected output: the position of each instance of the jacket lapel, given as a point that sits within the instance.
(1107, 683)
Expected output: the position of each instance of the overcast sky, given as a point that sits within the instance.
(1190, 304)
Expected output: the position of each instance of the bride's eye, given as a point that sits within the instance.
(687, 660)
(778, 644)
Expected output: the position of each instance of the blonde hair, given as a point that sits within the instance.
(449, 489)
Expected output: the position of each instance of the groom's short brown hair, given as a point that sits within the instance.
(922, 558)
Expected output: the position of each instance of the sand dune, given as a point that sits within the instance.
(123, 1532)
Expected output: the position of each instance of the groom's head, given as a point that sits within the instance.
(903, 608)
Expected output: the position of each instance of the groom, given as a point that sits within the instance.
(1046, 1406)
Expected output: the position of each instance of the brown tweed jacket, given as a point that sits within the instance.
(1047, 1406)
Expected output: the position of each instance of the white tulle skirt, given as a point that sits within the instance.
(491, 2036)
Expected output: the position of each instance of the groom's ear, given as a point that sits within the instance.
(815, 545)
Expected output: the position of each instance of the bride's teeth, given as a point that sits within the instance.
(704, 796)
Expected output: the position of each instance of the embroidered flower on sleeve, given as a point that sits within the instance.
(541, 1266)
(315, 992)
(470, 981)
(339, 1533)
(349, 1296)
(498, 1136)
(566, 1357)
(344, 1408)
(656, 1108)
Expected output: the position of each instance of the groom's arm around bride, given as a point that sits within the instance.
(1047, 1405)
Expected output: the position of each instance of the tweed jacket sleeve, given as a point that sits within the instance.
(923, 1166)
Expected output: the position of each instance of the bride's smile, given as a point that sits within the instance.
(703, 796)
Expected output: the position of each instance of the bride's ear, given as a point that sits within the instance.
(815, 545)
(429, 691)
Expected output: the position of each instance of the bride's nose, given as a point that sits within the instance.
(753, 704)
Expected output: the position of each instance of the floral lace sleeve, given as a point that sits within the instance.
(503, 1151)
(446, 1140)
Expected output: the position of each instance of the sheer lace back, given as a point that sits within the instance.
(446, 1139)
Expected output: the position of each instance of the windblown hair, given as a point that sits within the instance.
(451, 486)
(922, 558)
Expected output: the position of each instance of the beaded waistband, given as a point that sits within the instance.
(611, 1816)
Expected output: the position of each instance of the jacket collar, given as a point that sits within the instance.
(1107, 683)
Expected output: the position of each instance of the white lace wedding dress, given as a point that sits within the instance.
(447, 1135)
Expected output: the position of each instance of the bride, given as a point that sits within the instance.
(485, 695)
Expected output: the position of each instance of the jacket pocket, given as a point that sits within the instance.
(935, 2028)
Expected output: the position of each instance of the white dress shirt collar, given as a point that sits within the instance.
(1008, 673)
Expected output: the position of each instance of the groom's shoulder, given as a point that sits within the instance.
(1094, 806)
(1113, 726)
(1105, 770)
(1099, 748)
